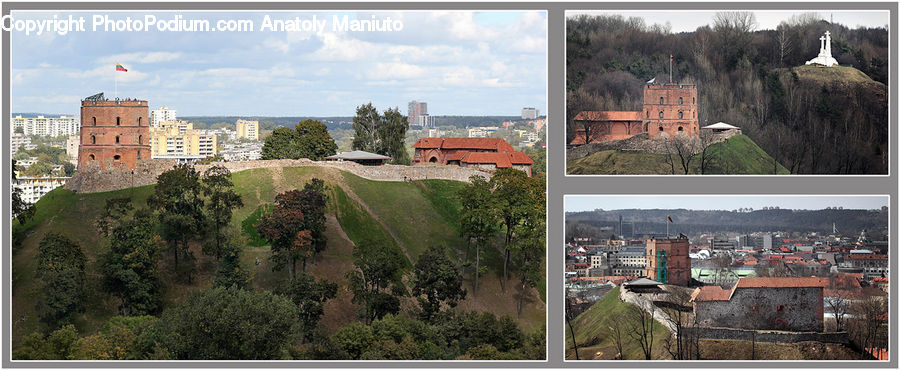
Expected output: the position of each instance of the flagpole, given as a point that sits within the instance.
(116, 77)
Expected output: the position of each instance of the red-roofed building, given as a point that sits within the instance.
(763, 303)
(668, 110)
(485, 153)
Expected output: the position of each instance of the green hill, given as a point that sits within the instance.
(592, 332)
(844, 74)
(410, 216)
(737, 155)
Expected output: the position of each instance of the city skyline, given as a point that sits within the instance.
(460, 62)
(583, 203)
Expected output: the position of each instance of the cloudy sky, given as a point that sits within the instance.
(460, 63)
(689, 20)
(577, 203)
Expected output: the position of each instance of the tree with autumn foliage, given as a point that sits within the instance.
(284, 228)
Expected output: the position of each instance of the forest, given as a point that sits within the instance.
(813, 120)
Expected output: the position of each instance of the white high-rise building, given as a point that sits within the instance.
(530, 113)
(163, 114)
(46, 126)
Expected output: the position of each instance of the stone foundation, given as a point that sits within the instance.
(93, 179)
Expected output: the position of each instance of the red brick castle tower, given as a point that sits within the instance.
(671, 109)
(113, 132)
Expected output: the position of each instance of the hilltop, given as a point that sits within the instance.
(737, 155)
(410, 216)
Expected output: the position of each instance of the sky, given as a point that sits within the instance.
(690, 20)
(578, 203)
(459, 62)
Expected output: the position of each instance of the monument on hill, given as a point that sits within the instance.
(824, 58)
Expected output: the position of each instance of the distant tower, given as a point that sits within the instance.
(670, 110)
(417, 109)
(668, 260)
(621, 231)
(113, 132)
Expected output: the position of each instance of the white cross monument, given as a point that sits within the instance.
(824, 58)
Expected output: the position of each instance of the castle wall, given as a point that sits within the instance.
(793, 309)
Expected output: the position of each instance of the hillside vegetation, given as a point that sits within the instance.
(409, 217)
(737, 155)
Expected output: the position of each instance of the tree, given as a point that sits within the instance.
(61, 270)
(839, 302)
(309, 295)
(529, 239)
(478, 218)
(118, 339)
(438, 280)
(868, 326)
(228, 324)
(391, 134)
(222, 201)
(230, 272)
(309, 139)
(617, 332)
(684, 343)
(354, 339)
(377, 282)
(684, 149)
(177, 198)
(21, 210)
(365, 126)
(285, 229)
(313, 203)
(641, 327)
(114, 211)
(513, 200)
(130, 266)
(56, 346)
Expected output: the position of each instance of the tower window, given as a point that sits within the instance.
(660, 128)
(118, 120)
(93, 139)
(139, 120)
(680, 115)
(680, 128)
(680, 101)
(91, 157)
(694, 100)
(117, 157)
(648, 114)
(117, 139)
(660, 100)
(95, 121)
(140, 139)
(660, 114)
(139, 154)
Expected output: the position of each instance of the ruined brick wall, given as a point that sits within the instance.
(114, 131)
(94, 178)
(792, 309)
(671, 110)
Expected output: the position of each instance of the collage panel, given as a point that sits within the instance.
(727, 92)
(727, 277)
(276, 185)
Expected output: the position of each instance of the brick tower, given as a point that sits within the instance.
(671, 109)
(668, 260)
(114, 132)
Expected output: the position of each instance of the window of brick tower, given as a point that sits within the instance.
(648, 114)
(680, 115)
(91, 157)
(660, 114)
(140, 140)
(139, 120)
(117, 139)
(139, 154)
(660, 128)
(660, 100)
(93, 139)
(95, 121)
(118, 121)
(680, 128)
(117, 157)
(680, 101)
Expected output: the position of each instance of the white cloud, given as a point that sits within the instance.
(141, 57)
(403, 71)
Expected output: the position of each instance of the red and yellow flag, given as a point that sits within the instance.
(120, 68)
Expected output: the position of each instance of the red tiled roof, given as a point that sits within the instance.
(780, 282)
(608, 116)
(710, 293)
(879, 280)
(494, 144)
(867, 256)
(501, 160)
(457, 156)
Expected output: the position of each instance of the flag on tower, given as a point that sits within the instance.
(669, 218)
(120, 68)
(671, 58)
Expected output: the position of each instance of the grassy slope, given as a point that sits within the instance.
(738, 155)
(420, 213)
(592, 332)
(829, 74)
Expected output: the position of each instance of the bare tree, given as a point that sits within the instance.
(641, 327)
(617, 332)
(707, 139)
(571, 329)
(683, 149)
(839, 303)
(868, 328)
(684, 342)
(785, 44)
